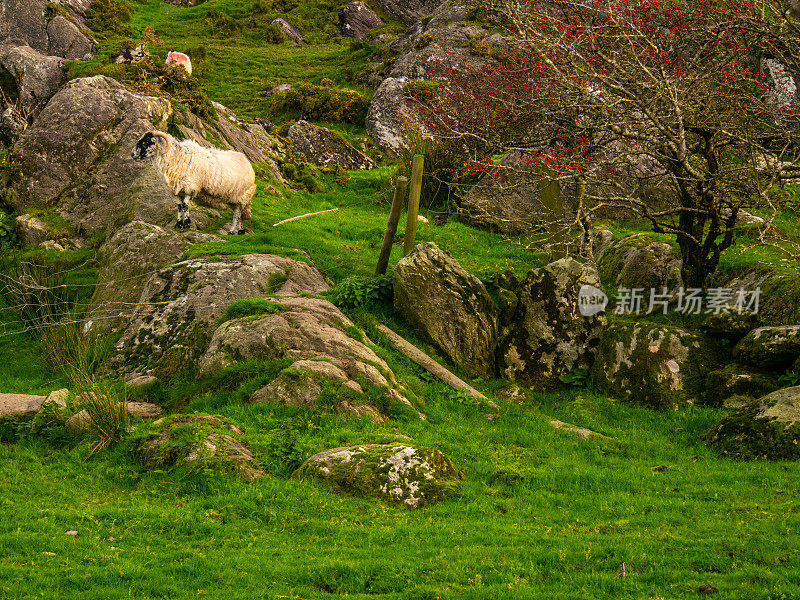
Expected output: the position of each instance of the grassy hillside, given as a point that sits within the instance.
(646, 512)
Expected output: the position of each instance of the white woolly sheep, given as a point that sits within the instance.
(179, 58)
(226, 176)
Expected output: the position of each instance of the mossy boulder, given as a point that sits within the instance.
(182, 305)
(128, 260)
(639, 262)
(449, 306)
(770, 347)
(739, 381)
(765, 429)
(318, 384)
(548, 336)
(398, 473)
(196, 443)
(654, 365)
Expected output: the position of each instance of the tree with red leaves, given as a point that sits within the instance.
(654, 106)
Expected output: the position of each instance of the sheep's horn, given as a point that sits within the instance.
(165, 137)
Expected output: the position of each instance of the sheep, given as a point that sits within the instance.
(188, 168)
(179, 58)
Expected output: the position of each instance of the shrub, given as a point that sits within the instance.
(274, 34)
(322, 103)
(8, 231)
(358, 291)
(170, 81)
(108, 17)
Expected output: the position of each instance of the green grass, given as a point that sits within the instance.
(542, 513)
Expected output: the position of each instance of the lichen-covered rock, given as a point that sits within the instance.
(654, 365)
(305, 329)
(37, 76)
(638, 262)
(30, 230)
(736, 380)
(82, 420)
(548, 336)
(769, 347)
(386, 114)
(12, 125)
(409, 12)
(292, 33)
(319, 384)
(198, 443)
(66, 39)
(76, 158)
(357, 19)
(448, 306)
(27, 20)
(181, 305)
(399, 473)
(327, 148)
(128, 261)
(730, 324)
(766, 429)
(20, 406)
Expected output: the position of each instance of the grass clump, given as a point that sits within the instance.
(251, 307)
(323, 103)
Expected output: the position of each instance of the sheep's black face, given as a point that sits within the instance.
(145, 147)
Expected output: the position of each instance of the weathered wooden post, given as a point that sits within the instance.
(391, 228)
(550, 191)
(413, 204)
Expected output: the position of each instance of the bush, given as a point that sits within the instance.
(8, 231)
(274, 34)
(171, 81)
(108, 17)
(322, 103)
(358, 291)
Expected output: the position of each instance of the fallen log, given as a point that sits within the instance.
(426, 362)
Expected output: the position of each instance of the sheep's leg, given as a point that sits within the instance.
(237, 226)
(183, 221)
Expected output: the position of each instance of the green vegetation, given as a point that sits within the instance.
(644, 509)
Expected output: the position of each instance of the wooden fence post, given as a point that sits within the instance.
(413, 204)
(391, 228)
(550, 191)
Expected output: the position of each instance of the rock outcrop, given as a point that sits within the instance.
(198, 443)
(181, 305)
(128, 260)
(76, 158)
(398, 473)
(654, 365)
(357, 19)
(386, 115)
(292, 33)
(766, 429)
(735, 384)
(327, 148)
(448, 306)
(62, 35)
(547, 336)
(770, 347)
(37, 76)
(409, 12)
(20, 406)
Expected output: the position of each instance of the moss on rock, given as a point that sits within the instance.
(198, 443)
(399, 473)
(736, 380)
(653, 365)
(767, 429)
